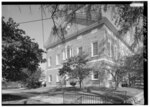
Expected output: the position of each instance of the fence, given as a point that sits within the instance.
(78, 98)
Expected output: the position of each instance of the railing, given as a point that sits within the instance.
(76, 98)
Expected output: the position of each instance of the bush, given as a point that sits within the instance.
(33, 80)
(88, 90)
(31, 83)
(73, 83)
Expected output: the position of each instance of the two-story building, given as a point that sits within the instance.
(100, 40)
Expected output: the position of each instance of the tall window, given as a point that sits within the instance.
(63, 54)
(57, 59)
(109, 48)
(115, 52)
(49, 61)
(50, 78)
(57, 78)
(69, 52)
(94, 48)
(79, 51)
(95, 75)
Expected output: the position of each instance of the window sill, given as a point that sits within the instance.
(94, 56)
(94, 79)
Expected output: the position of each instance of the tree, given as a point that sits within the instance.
(135, 66)
(18, 52)
(117, 73)
(75, 68)
(125, 17)
(33, 79)
(129, 65)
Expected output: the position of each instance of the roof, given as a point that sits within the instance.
(54, 40)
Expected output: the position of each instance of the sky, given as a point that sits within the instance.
(25, 13)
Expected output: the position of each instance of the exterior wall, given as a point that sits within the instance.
(102, 35)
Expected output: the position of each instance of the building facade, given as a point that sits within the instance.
(100, 40)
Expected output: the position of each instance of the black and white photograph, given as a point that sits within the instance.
(74, 53)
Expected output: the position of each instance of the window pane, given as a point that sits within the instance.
(95, 48)
(57, 78)
(80, 50)
(50, 78)
(49, 61)
(95, 75)
(57, 59)
(109, 48)
(63, 54)
(115, 52)
(68, 52)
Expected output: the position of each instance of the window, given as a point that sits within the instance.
(79, 51)
(64, 56)
(69, 52)
(57, 59)
(115, 52)
(95, 75)
(57, 78)
(49, 61)
(109, 48)
(94, 48)
(50, 78)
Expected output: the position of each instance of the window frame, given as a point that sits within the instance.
(63, 55)
(115, 52)
(78, 52)
(58, 59)
(92, 49)
(49, 62)
(70, 52)
(57, 78)
(50, 78)
(93, 77)
(110, 50)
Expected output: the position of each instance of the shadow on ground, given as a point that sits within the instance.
(11, 97)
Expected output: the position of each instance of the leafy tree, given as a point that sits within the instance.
(75, 68)
(117, 73)
(135, 67)
(125, 17)
(33, 79)
(18, 52)
(129, 65)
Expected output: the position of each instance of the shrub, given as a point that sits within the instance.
(33, 84)
(88, 90)
(73, 83)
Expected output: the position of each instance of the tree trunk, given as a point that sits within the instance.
(116, 85)
(80, 83)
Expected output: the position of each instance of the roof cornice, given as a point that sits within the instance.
(104, 21)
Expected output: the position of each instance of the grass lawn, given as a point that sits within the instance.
(55, 95)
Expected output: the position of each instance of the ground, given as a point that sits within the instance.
(58, 96)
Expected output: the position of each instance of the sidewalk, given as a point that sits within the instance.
(42, 89)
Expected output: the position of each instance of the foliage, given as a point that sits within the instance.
(131, 17)
(18, 52)
(75, 68)
(130, 65)
(33, 80)
(135, 64)
(73, 83)
(124, 15)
